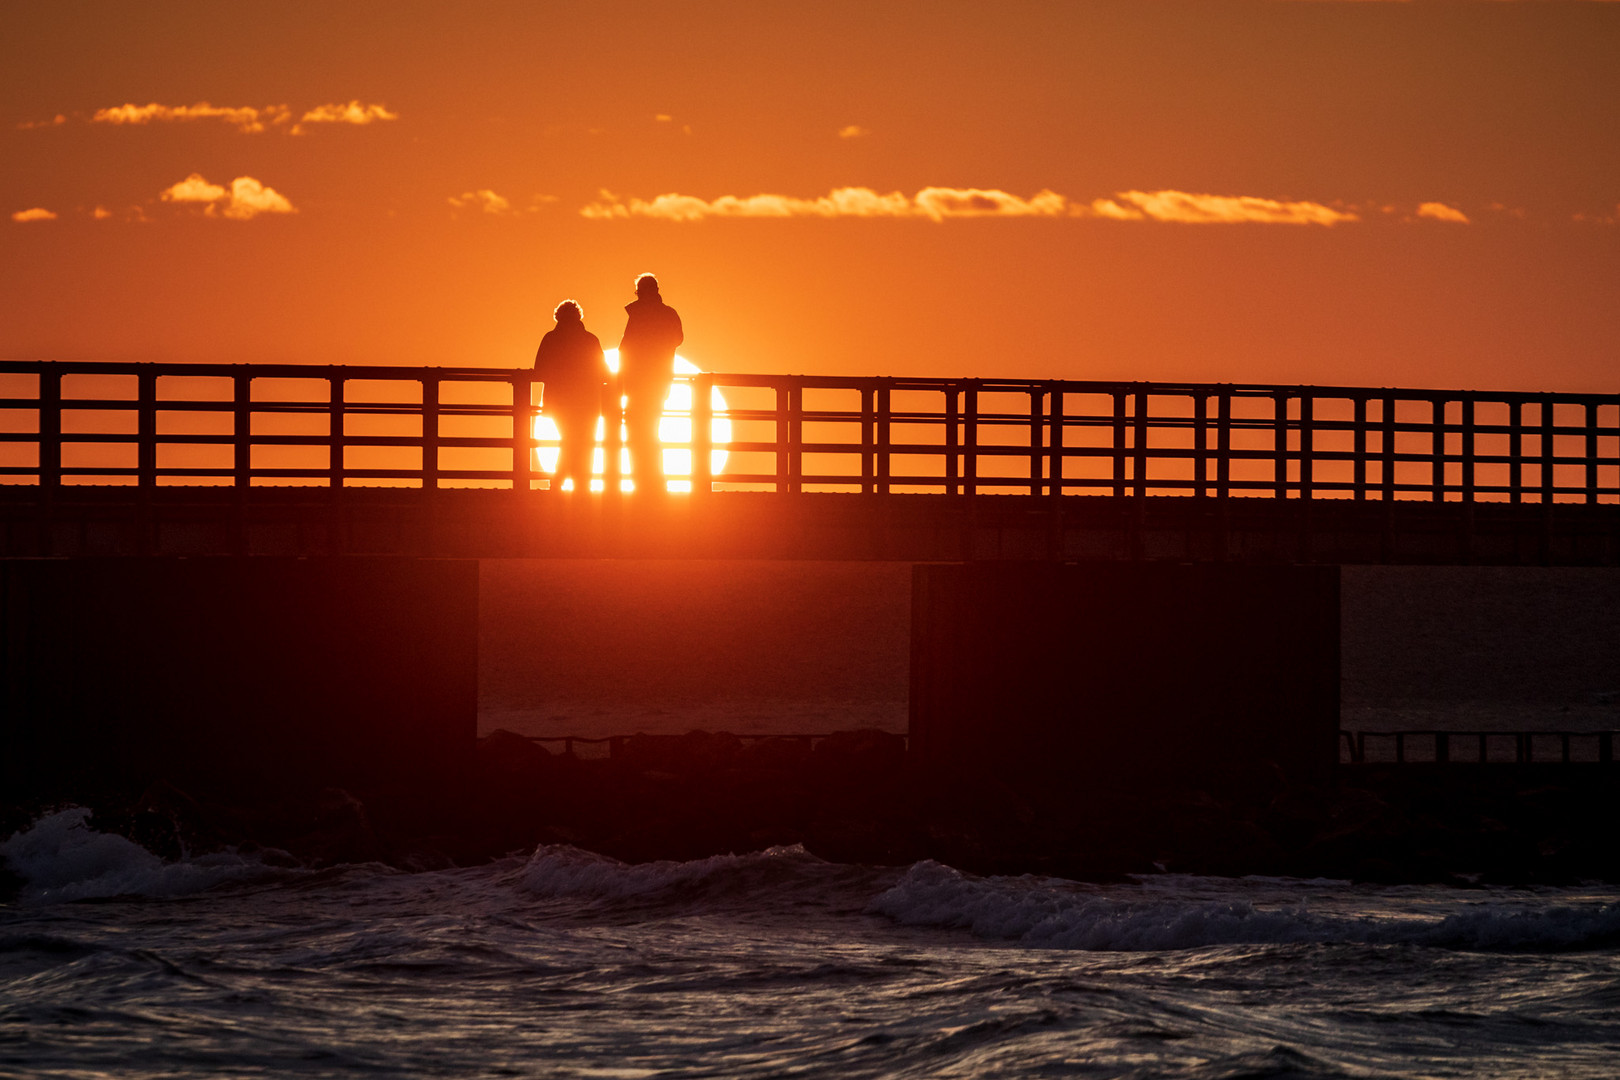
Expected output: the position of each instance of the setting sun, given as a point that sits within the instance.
(674, 430)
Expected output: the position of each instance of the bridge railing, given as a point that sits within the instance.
(65, 423)
(1441, 747)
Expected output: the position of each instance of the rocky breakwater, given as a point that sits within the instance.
(853, 797)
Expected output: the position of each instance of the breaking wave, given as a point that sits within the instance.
(61, 858)
(562, 872)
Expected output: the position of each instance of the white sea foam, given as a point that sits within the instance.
(1050, 914)
(61, 858)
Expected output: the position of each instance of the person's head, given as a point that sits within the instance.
(568, 311)
(646, 285)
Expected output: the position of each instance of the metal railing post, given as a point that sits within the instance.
(883, 438)
(1359, 449)
(50, 430)
(146, 429)
(335, 433)
(868, 440)
(1054, 447)
(430, 432)
(970, 439)
(242, 432)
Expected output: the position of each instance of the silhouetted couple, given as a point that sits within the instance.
(574, 375)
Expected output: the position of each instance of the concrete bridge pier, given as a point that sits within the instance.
(1094, 675)
(246, 677)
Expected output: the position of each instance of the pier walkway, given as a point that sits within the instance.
(127, 459)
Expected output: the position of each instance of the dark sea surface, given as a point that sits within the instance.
(559, 963)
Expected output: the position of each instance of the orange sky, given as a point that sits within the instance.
(1386, 193)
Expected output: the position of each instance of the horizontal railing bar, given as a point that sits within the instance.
(1412, 445)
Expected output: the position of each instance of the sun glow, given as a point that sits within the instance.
(674, 430)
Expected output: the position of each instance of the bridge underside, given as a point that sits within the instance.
(111, 521)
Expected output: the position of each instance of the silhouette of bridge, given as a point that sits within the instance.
(178, 459)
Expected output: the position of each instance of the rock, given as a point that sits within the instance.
(862, 754)
(503, 751)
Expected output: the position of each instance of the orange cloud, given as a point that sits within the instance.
(56, 121)
(34, 213)
(932, 203)
(1442, 212)
(245, 118)
(352, 113)
(940, 203)
(193, 189)
(249, 199)
(246, 197)
(101, 213)
(1193, 209)
(483, 199)
(852, 131)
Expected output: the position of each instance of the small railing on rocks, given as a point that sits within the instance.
(1414, 746)
(1429, 746)
(613, 746)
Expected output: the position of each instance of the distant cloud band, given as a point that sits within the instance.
(353, 113)
(245, 118)
(932, 203)
(939, 203)
(34, 213)
(1190, 209)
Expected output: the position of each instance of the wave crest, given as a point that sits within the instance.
(1046, 914)
(61, 857)
(557, 871)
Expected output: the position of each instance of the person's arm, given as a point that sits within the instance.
(542, 361)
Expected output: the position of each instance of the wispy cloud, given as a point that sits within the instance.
(941, 203)
(1441, 212)
(244, 118)
(56, 121)
(247, 119)
(34, 213)
(932, 203)
(1201, 209)
(354, 112)
(246, 198)
(852, 131)
(1598, 219)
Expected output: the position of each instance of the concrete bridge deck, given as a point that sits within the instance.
(103, 521)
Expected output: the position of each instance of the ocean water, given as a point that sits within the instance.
(561, 963)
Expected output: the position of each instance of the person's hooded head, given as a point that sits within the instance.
(568, 312)
(647, 288)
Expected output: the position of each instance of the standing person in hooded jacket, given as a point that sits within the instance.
(572, 372)
(646, 370)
